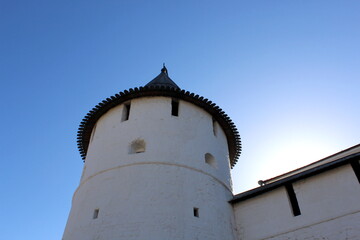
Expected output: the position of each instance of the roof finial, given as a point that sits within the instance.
(164, 70)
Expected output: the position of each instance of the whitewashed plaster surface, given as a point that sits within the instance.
(152, 195)
(329, 205)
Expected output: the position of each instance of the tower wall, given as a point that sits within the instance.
(168, 190)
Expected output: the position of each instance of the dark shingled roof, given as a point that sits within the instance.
(162, 85)
(162, 80)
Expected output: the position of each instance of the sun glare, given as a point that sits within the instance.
(295, 154)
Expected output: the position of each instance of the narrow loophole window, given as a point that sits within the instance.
(214, 125)
(196, 212)
(175, 107)
(356, 168)
(96, 213)
(126, 112)
(209, 159)
(137, 146)
(293, 200)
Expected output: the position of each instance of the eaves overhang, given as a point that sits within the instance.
(89, 121)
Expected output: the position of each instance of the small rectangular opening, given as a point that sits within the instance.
(137, 146)
(293, 200)
(356, 168)
(209, 159)
(96, 213)
(196, 212)
(175, 107)
(214, 127)
(126, 112)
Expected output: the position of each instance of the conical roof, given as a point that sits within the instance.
(162, 80)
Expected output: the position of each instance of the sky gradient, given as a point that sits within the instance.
(286, 72)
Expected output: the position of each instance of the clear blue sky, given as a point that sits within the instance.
(286, 72)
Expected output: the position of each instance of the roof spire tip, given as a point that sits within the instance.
(164, 70)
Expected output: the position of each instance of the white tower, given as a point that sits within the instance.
(157, 167)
